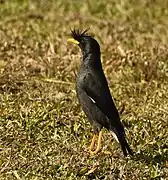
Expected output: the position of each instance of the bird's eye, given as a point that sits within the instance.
(82, 41)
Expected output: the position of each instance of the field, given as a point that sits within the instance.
(43, 132)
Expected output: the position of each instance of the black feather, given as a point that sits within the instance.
(120, 133)
(78, 34)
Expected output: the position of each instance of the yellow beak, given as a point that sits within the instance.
(72, 41)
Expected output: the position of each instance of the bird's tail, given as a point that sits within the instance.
(119, 135)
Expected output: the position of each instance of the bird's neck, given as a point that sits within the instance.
(91, 60)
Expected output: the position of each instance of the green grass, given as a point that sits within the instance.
(43, 132)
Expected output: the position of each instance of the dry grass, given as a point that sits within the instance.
(44, 134)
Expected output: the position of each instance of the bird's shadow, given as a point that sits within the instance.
(149, 158)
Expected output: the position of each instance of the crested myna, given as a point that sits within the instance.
(94, 95)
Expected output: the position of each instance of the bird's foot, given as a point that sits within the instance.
(98, 144)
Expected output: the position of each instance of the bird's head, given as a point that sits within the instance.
(86, 43)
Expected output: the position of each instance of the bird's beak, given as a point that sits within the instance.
(73, 41)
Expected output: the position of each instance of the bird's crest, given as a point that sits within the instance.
(77, 34)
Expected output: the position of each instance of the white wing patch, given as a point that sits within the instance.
(92, 100)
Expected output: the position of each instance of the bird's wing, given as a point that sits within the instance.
(96, 88)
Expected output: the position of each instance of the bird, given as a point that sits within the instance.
(94, 95)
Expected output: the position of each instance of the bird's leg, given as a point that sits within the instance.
(98, 144)
(92, 143)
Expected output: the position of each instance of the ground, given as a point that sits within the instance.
(43, 132)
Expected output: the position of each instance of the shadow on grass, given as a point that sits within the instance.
(149, 158)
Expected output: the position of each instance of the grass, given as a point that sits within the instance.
(44, 133)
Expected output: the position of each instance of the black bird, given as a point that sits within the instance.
(94, 95)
